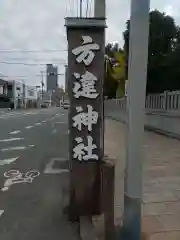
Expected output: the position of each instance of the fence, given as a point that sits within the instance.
(162, 112)
(166, 101)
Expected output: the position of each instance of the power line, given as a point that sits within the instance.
(32, 51)
(31, 59)
(29, 64)
(26, 76)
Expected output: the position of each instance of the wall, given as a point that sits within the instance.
(166, 122)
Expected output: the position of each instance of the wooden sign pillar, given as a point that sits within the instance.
(86, 74)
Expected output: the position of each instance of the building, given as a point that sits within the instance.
(4, 99)
(22, 95)
(51, 78)
(31, 96)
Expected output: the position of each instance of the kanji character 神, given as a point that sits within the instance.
(82, 152)
(85, 51)
(86, 85)
(87, 119)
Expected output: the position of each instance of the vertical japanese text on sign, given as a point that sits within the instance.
(84, 86)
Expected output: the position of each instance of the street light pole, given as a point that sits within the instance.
(137, 71)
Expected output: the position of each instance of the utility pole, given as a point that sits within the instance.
(137, 72)
(80, 8)
(42, 84)
(100, 8)
(100, 12)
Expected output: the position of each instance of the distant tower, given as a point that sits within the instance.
(51, 77)
(66, 78)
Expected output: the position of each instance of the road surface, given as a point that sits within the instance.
(33, 174)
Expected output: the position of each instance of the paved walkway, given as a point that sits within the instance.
(161, 181)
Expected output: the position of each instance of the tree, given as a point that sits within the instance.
(163, 48)
(114, 71)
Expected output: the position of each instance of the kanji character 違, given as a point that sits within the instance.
(86, 85)
(86, 119)
(82, 152)
(85, 51)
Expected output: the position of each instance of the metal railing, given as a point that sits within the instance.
(167, 101)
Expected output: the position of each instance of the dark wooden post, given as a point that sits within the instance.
(85, 76)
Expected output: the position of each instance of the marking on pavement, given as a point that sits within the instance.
(28, 127)
(11, 139)
(60, 122)
(15, 132)
(37, 124)
(44, 121)
(8, 161)
(15, 177)
(1, 212)
(49, 167)
(16, 148)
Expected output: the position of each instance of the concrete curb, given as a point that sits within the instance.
(151, 129)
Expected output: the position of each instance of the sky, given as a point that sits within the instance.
(32, 33)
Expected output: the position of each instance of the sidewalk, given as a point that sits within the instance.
(161, 181)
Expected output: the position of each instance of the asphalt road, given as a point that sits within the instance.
(33, 174)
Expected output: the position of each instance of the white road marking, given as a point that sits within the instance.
(15, 177)
(11, 139)
(49, 167)
(37, 124)
(15, 132)
(60, 122)
(44, 121)
(8, 161)
(28, 127)
(1, 212)
(16, 148)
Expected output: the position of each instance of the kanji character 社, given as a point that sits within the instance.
(87, 119)
(82, 152)
(86, 85)
(85, 51)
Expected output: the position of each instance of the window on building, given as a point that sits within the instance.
(31, 93)
(1, 90)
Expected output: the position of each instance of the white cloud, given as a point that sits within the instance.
(39, 25)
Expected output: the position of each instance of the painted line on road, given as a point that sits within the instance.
(49, 167)
(15, 132)
(8, 161)
(16, 148)
(38, 124)
(44, 121)
(11, 139)
(28, 127)
(1, 212)
(60, 123)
